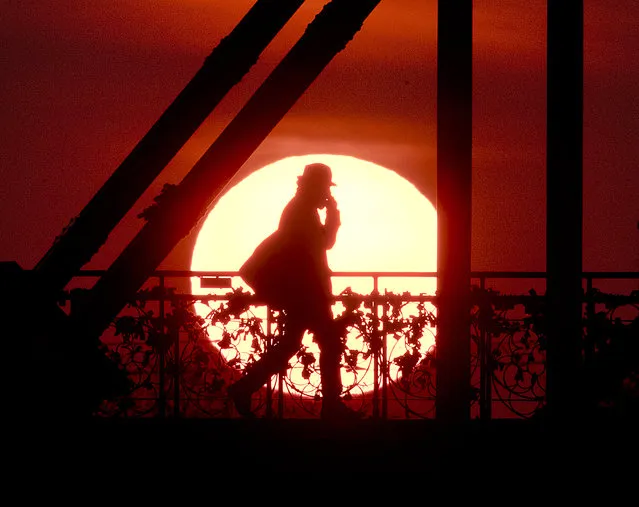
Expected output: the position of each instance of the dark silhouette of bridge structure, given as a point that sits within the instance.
(64, 348)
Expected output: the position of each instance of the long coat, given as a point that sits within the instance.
(289, 269)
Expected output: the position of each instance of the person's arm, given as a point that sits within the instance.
(332, 222)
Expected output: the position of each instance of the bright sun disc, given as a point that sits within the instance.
(387, 226)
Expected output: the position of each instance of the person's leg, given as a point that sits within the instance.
(273, 361)
(331, 348)
(328, 335)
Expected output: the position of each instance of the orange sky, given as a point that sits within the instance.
(82, 82)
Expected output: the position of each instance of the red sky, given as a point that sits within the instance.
(82, 82)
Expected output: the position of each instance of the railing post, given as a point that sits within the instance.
(162, 358)
(589, 346)
(177, 369)
(376, 349)
(280, 398)
(385, 367)
(483, 352)
(269, 388)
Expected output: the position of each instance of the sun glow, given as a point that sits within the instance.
(387, 226)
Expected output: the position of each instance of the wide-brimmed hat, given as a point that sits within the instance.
(316, 174)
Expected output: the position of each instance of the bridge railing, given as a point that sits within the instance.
(187, 335)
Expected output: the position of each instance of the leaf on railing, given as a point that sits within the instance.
(225, 342)
(372, 300)
(254, 326)
(256, 345)
(351, 358)
(395, 303)
(416, 331)
(129, 327)
(391, 326)
(407, 362)
(351, 300)
(239, 302)
(234, 362)
(307, 360)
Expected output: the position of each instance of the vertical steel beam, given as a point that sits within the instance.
(454, 182)
(564, 176)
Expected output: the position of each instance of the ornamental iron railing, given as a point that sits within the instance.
(188, 335)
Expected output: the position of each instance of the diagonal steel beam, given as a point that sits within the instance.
(181, 210)
(231, 59)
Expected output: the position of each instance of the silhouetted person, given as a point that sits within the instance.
(289, 271)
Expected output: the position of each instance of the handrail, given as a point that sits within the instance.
(403, 274)
(492, 383)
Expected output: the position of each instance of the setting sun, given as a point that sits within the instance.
(387, 226)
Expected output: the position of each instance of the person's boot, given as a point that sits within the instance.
(241, 397)
(258, 374)
(336, 410)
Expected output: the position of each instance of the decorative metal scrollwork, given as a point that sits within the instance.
(181, 363)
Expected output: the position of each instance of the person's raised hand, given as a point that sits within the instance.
(331, 203)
